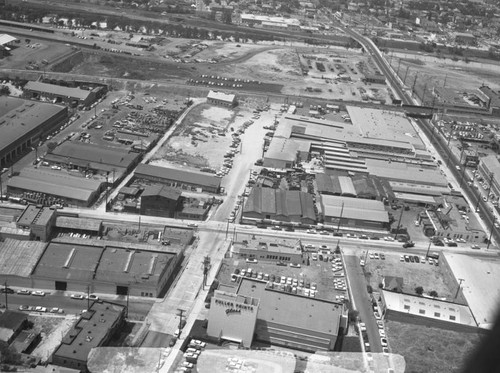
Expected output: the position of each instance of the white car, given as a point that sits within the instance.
(389, 238)
(199, 343)
(251, 260)
(362, 326)
(40, 309)
(383, 341)
(92, 297)
(381, 332)
(38, 293)
(77, 296)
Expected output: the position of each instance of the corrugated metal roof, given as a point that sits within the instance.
(221, 96)
(77, 93)
(19, 258)
(187, 176)
(85, 224)
(354, 208)
(347, 186)
(5, 39)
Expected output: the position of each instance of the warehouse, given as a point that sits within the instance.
(111, 162)
(48, 187)
(112, 269)
(280, 206)
(59, 94)
(23, 123)
(18, 260)
(221, 99)
(183, 179)
(160, 200)
(353, 212)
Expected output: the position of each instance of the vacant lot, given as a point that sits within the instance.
(428, 349)
(414, 274)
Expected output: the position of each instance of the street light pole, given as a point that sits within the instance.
(491, 232)
(399, 222)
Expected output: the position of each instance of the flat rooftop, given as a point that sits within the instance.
(405, 172)
(18, 117)
(123, 266)
(384, 124)
(63, 261)
(35, 215)
(479, 286)
(19, 258)
(278, 307)
(85, 224)
(263, 243)
(176, 174)
(57, 90)
(89, 331)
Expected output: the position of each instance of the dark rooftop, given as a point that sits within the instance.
(187, 176)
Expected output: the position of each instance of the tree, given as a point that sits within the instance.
(433, 293)
(419, 290)
(4, 90)
(51, 146)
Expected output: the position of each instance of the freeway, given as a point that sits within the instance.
(427, 127)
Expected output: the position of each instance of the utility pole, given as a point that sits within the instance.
(399, 222)
(6, 300)
(180, 313)
(489, 239)
(206, 267)
(340, 217)
(406, 72)
(414, 82)
(128, 295)
(459, 285)
(88, 297)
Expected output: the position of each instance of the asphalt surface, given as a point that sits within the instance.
(361, 299)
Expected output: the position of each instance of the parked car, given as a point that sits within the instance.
(77, 296)
(248, 260)
(23, 292)
(6, 290)
(38, 293)
(408, 244)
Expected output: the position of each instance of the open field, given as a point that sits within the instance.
(430, 350)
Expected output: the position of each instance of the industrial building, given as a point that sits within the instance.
(411, 308)
(489, 170)
(94, 328)
(72, 96)
(111, 163)
(23, 123)
(254, 310)
(11, 325)
(38, 221)
(160, 200)
(342, 184)
(353, 212)
(267, 249)
(178, 178)
(110, 269)
(286, 206)
(372, 134)
(221, 98)
(47, 187)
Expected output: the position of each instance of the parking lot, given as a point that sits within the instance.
(415, 273)
(324, 279)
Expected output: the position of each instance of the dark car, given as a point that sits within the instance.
(382, 256)
(407, 258)
(439, 243)
(412, 259)
(408, 244)
(6, 290)
(417, 259)
(337, 234)
(452, 244)
(289, 229)
(375, 238)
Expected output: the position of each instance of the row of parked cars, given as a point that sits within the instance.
(417, 259)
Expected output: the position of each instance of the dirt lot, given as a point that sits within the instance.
(52, 330)
(414, 274)
(428, 349)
